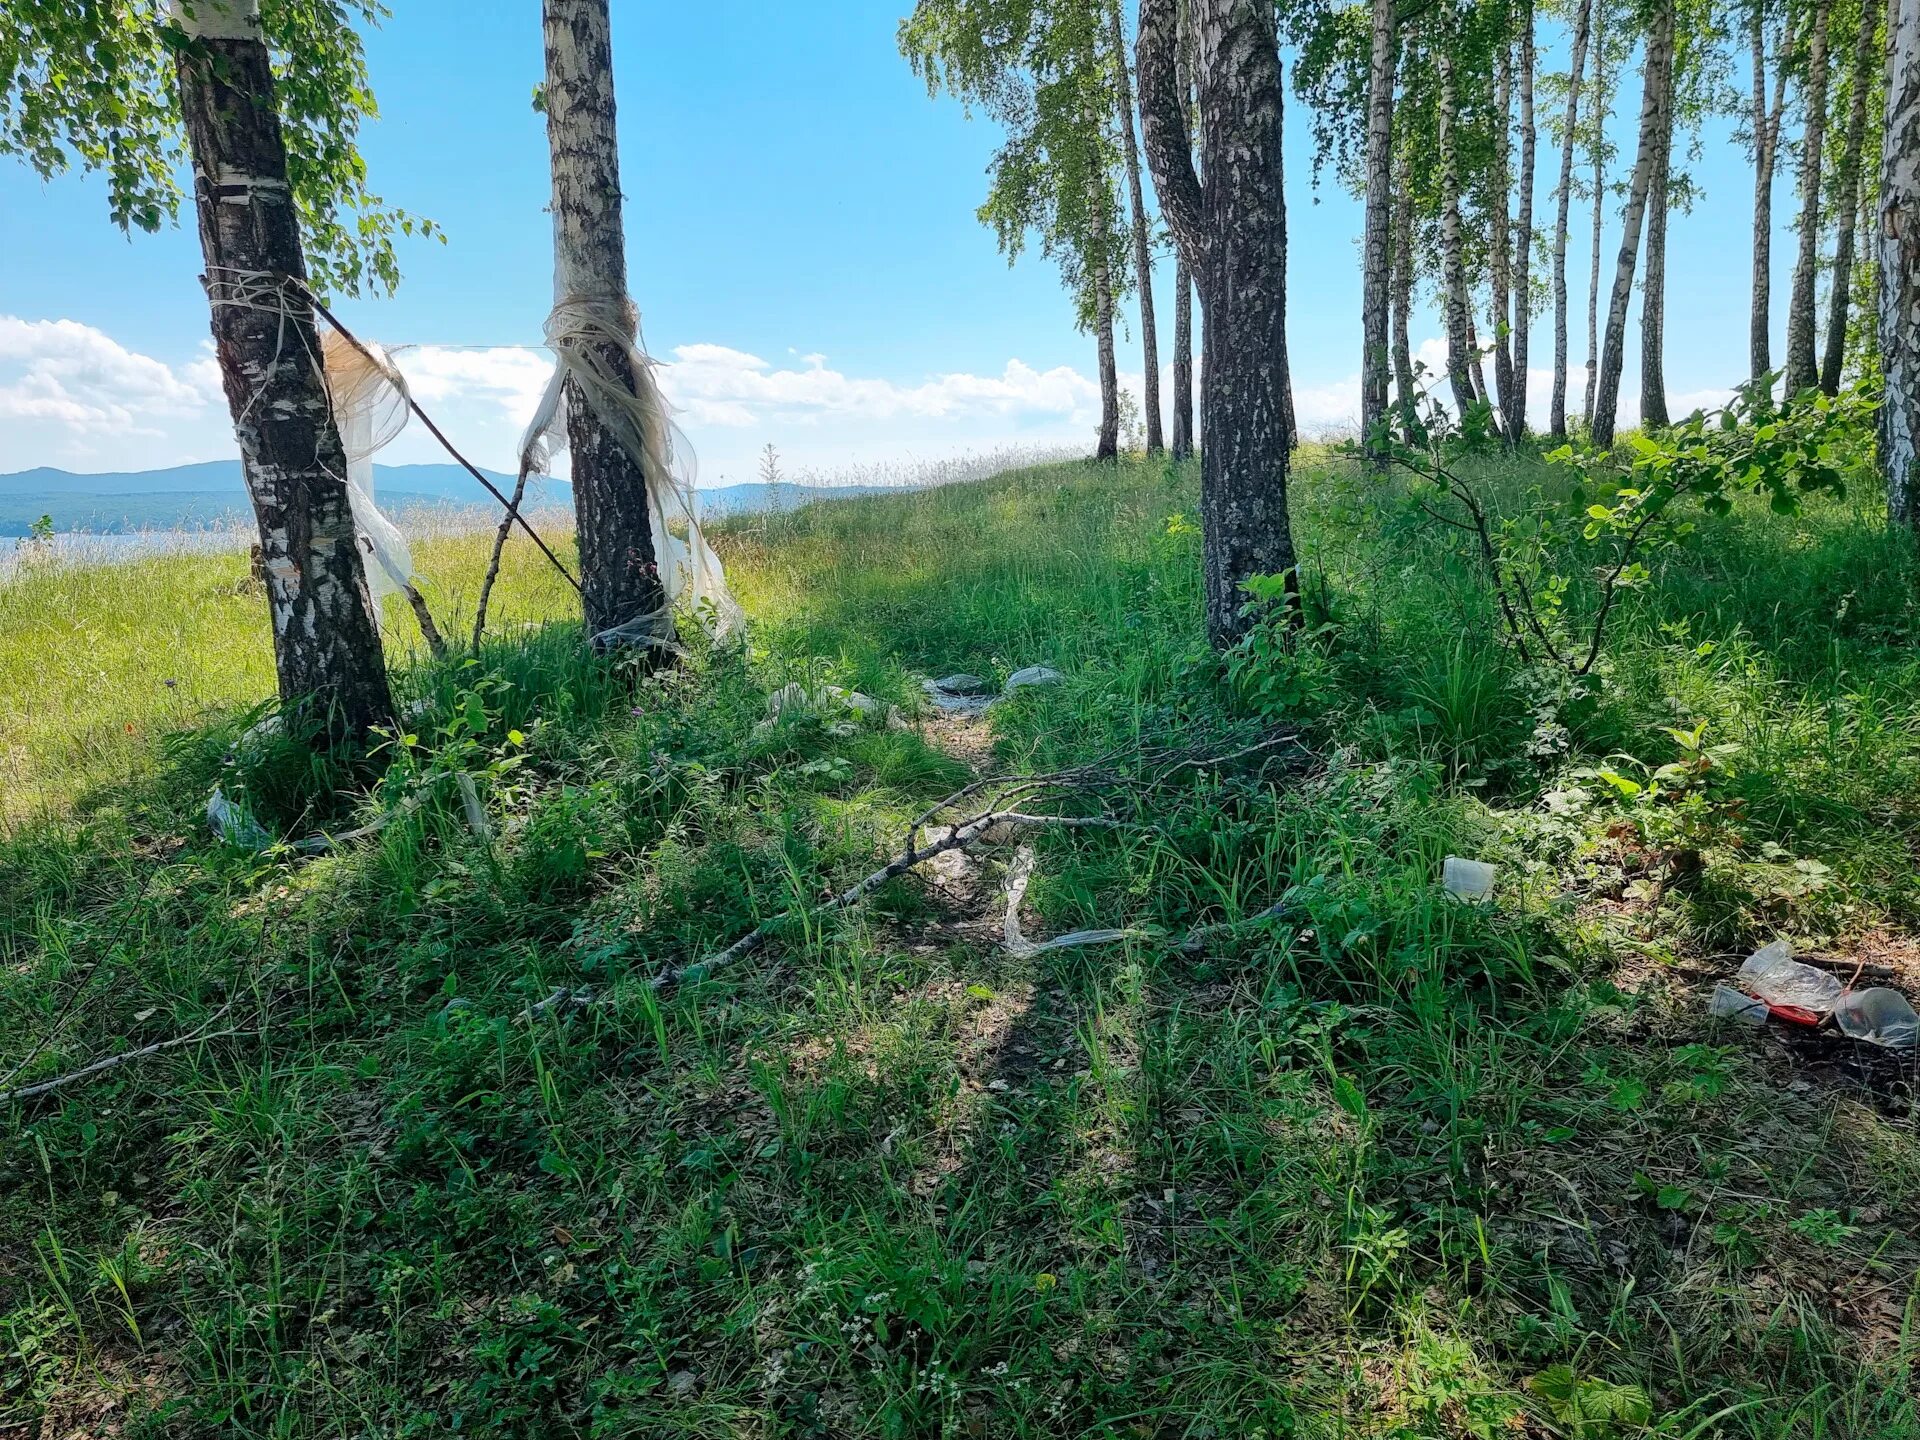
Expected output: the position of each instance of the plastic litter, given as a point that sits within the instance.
(1032, 675)
(234, 824)
(1019, 876)
(1729, 1004)
(962, 684)
(834, 705)
(1468, 879)
(959, 694)
(1773, 975)
(1878, 1016)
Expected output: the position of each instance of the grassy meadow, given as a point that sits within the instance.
(1380, 1164)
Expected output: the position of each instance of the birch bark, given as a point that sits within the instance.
(1801, 373)
(326, 637)
(1231, 233)
(619, 573)
(1900, 266)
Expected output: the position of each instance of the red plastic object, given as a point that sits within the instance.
(1796, 1015)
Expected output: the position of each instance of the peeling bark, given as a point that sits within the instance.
(1801, 373)
(619, 573)
(326, 637)
(1900, 266)
(1231, 234)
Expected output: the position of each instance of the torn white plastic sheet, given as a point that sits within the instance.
(370, 407)
(1019, 875)
(582, 332)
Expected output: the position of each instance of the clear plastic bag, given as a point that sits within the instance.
(1878, 1016)
(1773, 975)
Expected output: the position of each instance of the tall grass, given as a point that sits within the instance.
(1385, 1165)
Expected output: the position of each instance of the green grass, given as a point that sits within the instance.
(1381, 1169)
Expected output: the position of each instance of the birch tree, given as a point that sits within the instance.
(1656, 96)
(1846, 206)
(1404, 264)
(1600, 152)
(1142, 233)
(1460, 347)
(1763, 138)
(268, 119)
(1900, 266)
(1653, 288)
(619, 573)
(1499, 190)
(1376, 301)
(1038, 68)
(1563, 198)
(1183, 278)
(1230, 230)
(1801, 373)
(1516, 410)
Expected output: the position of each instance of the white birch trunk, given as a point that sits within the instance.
(1142, 232)
(1453, 262)
(1516, 424)
(1375, 278)
(326, 636)
(1801, 373)
(1563, 200)
(1612, 356)
(1900, 266)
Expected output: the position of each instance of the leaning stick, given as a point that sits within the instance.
(499, 548)
(445, 444)
(114, 1062)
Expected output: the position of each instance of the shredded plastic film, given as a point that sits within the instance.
(583, 332)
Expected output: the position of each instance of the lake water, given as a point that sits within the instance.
(88, 548)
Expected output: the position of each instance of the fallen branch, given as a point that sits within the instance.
(1161, 766)
(428, 630)
(114, 1062)
(954, 838)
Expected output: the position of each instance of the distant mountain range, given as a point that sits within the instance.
(213, 493)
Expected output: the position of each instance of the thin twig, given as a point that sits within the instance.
(499, 548)
(955, 838)
(114, 1062)
(445, 444)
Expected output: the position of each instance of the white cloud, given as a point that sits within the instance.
(71, 376)
(718, 385)
(72, 395)
(505, 379)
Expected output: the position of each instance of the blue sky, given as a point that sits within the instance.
(801, 243)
